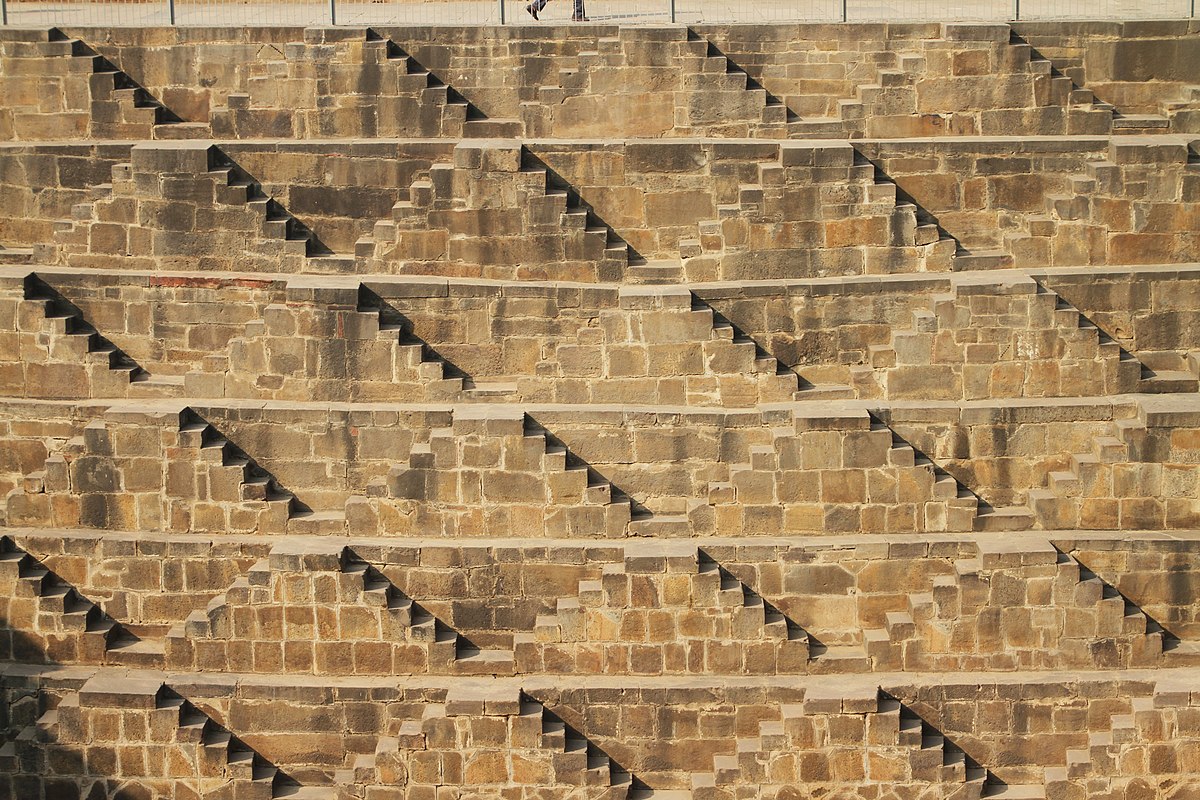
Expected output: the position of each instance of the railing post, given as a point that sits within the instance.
(501, 4)
(171, 10)
(1017, 9)
(672, 10)
(333, 12)
(845, 14)
(3, 12)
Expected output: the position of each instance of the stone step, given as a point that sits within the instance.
(1140, 123)
(182, 130)
(143, 653)
(491, 389)
(824, 392)
(1168, 381)
(493, 128)
(1014, 518)
(1014, 792)
(656, 272)
(965, 262)
(831, 127)
(16, 255)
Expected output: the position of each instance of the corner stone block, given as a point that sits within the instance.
(1016, 551)
(108, 690)
(817, 154)
(490, 155)
(1146, 150)
(190, 157)
(295, 555)
(978, 33)
(489, 421)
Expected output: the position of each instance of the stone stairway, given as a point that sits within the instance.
(116, 106)
(756, 217)
(938, 500)
(744, 109)
(918, 637)
(903, 748)
(123, 110)
(448, 650)
(1035, 230)
(713, 71)
(1085, 224)
(264, 235)
(1101, 760)
(902, 71)
(235, 187)
(205, 482)
(1063, 91)
(70, 338)
(399, 635)
(1049, 349)
(705, 619)
(234, 481)
(524, 467)
(898, 75)
(285, 355)
(442, 225)
(221, 753)
(74, 348)
(507, 722)
(76, 629)
(378, 320)
(667, 345)
(745, 355)
(1067, 491)
(1181, 111)
(219, 763)
(408, 99)
(574, 753)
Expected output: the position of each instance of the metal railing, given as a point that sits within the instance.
(113, 13)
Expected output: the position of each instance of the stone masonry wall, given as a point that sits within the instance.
(714, 345)
(1136, 65)
(599, 412)
(810, 606)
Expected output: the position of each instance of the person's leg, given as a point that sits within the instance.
(579, 15)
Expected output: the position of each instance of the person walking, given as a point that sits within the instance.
(537, 5)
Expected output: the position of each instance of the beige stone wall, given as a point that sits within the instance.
(32, 432)
(811, 606)
(1148, 316)
(1143, 721)
(977, 189)
(599, 413)
(338, 192)
(1099, 466)
(39, 186)
(918, 79)
(644, 212)
(906, 79)
(1139, 66)
(430, 340)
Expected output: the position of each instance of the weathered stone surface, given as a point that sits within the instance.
(599, 412)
